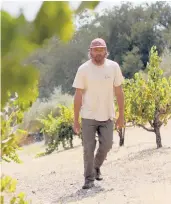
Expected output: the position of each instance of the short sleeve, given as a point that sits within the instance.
(79, 81)
(118, 77)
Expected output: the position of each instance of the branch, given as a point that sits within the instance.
(161, 112)
(130, 125)
(151, 123)
(160, 123)
(150, 130)
(163, 24)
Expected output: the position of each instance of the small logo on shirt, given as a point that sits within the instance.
(107, 77)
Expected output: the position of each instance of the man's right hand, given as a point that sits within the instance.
(76, 127)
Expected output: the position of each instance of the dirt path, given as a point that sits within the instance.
(135, 174)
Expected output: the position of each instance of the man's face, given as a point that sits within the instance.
(98, 54)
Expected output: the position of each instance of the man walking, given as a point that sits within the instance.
(96, 81)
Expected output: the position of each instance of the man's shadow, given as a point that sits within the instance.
(81, 194)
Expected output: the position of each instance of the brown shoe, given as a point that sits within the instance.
(98, 175)
(88, 184)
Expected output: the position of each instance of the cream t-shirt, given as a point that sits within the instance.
(98, 94)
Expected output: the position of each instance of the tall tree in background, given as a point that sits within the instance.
(132, 62)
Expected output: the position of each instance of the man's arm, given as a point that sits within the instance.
(77, 103)
(120, 100)
(79, 85)
(77, 107)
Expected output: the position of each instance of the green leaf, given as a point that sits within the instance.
(87, 4)
(8, 31)
(13, 185)
(2, 199)
(12, 201)
(21, 78)
(21, 195)
(53, 18)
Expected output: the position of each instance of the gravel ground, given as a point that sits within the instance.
(137, 173)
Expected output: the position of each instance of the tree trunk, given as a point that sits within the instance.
(157, 124)
(158, 137)
(46, 138)
(121, 133)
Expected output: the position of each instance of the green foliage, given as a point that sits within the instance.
(143, 96)
(53, 18)
(149, 100)
(128, 99)
(136, 26)
(18, 76)
(87, 4)
(8, 185)
(50, 125)
(159, 86)
(7, 25)
(166, 63)
(11, 116)
(15, 42)
(9, 143)
(9, 148)
(127, 89)
(59, 129)
(14, 48)
(132, 62)
(44, 107)
(56, 18)
(65, 123)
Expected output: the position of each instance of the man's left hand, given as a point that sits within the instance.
(120, 122)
